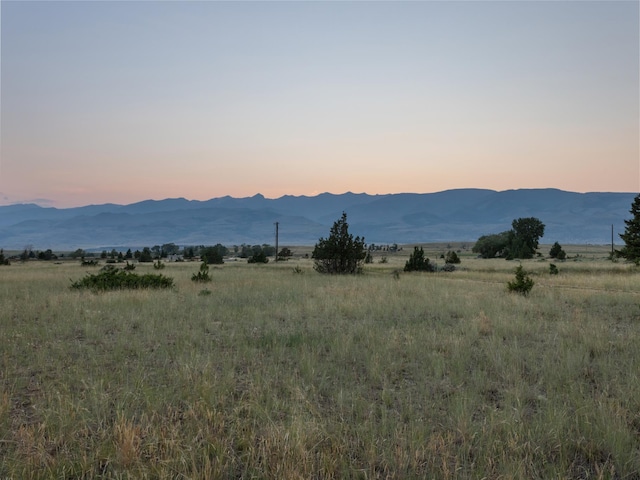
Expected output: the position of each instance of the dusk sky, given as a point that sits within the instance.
(125, 101)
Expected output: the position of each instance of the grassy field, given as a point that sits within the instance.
(275, 371)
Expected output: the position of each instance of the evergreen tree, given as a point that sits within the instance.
(557, 252)
(340, 252)
(522, 283)
(417, 262)
(631, 235)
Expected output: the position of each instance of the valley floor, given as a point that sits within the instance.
(276, 371)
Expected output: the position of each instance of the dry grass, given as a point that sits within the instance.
(278, 374)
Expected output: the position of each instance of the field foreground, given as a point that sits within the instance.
(271, 372)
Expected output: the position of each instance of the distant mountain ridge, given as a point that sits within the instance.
(450, 215)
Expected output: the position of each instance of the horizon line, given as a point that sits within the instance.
(47, 203)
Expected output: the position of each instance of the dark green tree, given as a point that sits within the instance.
(47, 255)
(491, 246)
(418, 262)
(169, 249)
(557, 252)
(128, 255)
(285, 253)
(631, 235)
(145, 255)
(214, 255)
(258, 257)
(524, 237)
(340, 253)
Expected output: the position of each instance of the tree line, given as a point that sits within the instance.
(342, 253)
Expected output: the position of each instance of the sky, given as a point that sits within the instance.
(118, 102)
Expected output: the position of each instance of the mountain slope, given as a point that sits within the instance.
(452, 215)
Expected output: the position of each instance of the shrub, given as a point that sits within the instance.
(158, 265)
(553, 270)
(203, 274)
(89, 263)
(557, 252)
(417, 262)
(248, 251)
(522, 283)
(368, 258)
(47, 255)
(452, 257)
(448, 267)
(259, 257)
(285, 254)
(112, 278)
(129, 266)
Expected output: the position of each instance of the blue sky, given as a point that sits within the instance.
(124, 101)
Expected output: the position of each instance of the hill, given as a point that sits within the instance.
(452, 215)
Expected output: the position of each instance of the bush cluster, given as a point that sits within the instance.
(259, 257)
(115, 279)
(452, 258)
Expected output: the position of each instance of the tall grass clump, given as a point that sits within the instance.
(202, 275)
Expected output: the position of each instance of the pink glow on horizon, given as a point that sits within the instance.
(301, 98)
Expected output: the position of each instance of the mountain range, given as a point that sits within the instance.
(452, 215)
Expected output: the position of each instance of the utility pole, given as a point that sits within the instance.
(277, 223)
(612, 240)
